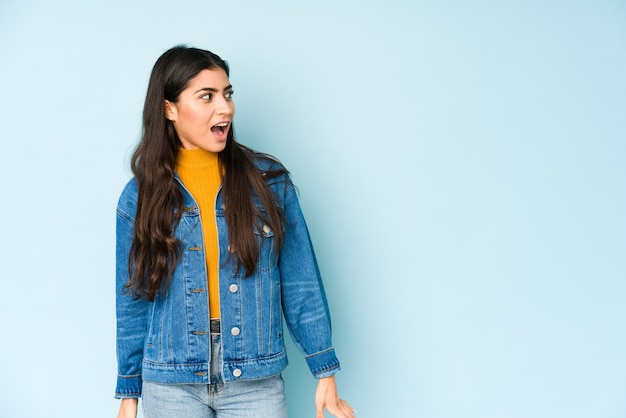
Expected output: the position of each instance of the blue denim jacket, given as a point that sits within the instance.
(168, 340)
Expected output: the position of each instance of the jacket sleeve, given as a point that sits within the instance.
(304, 302)
(132, 316)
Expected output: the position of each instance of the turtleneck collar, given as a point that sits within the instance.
(195, 159)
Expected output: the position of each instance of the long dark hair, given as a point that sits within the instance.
(155, 250)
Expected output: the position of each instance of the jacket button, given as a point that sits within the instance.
(233, 288)
(235, 331)
(266, 229)
(237, 372)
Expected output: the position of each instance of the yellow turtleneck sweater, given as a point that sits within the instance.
(200, 173)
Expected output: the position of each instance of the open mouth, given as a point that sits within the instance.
(220, 129)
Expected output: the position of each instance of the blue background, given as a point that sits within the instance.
(461, 167)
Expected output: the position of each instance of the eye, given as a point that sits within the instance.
(229, 94)
(207, 96)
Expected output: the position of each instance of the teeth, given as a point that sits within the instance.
(222, 125)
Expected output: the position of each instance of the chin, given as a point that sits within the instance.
(216, 148)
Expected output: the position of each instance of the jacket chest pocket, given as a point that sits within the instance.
(267, 251)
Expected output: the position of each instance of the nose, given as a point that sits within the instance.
(224, 107)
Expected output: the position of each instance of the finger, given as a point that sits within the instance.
(319, 412)
(341, 410)
(350, 412)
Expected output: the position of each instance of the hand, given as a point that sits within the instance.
(128, 408)
(326, 397)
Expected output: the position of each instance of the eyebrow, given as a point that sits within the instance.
(214, 90)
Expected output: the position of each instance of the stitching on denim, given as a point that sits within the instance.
(320, 352)
(329, 368)
(244, 363)
(128, 393)
(124, 215)
(156, 365)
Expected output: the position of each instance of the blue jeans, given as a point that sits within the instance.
(243, 398)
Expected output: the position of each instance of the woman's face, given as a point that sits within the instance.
(204, 111)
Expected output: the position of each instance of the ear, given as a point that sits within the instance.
(171, 113)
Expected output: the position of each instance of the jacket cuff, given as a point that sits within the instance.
(128, 386)
(323, 364)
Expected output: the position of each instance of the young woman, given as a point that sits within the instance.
(212, 251)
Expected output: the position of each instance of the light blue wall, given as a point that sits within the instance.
(461, 166)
